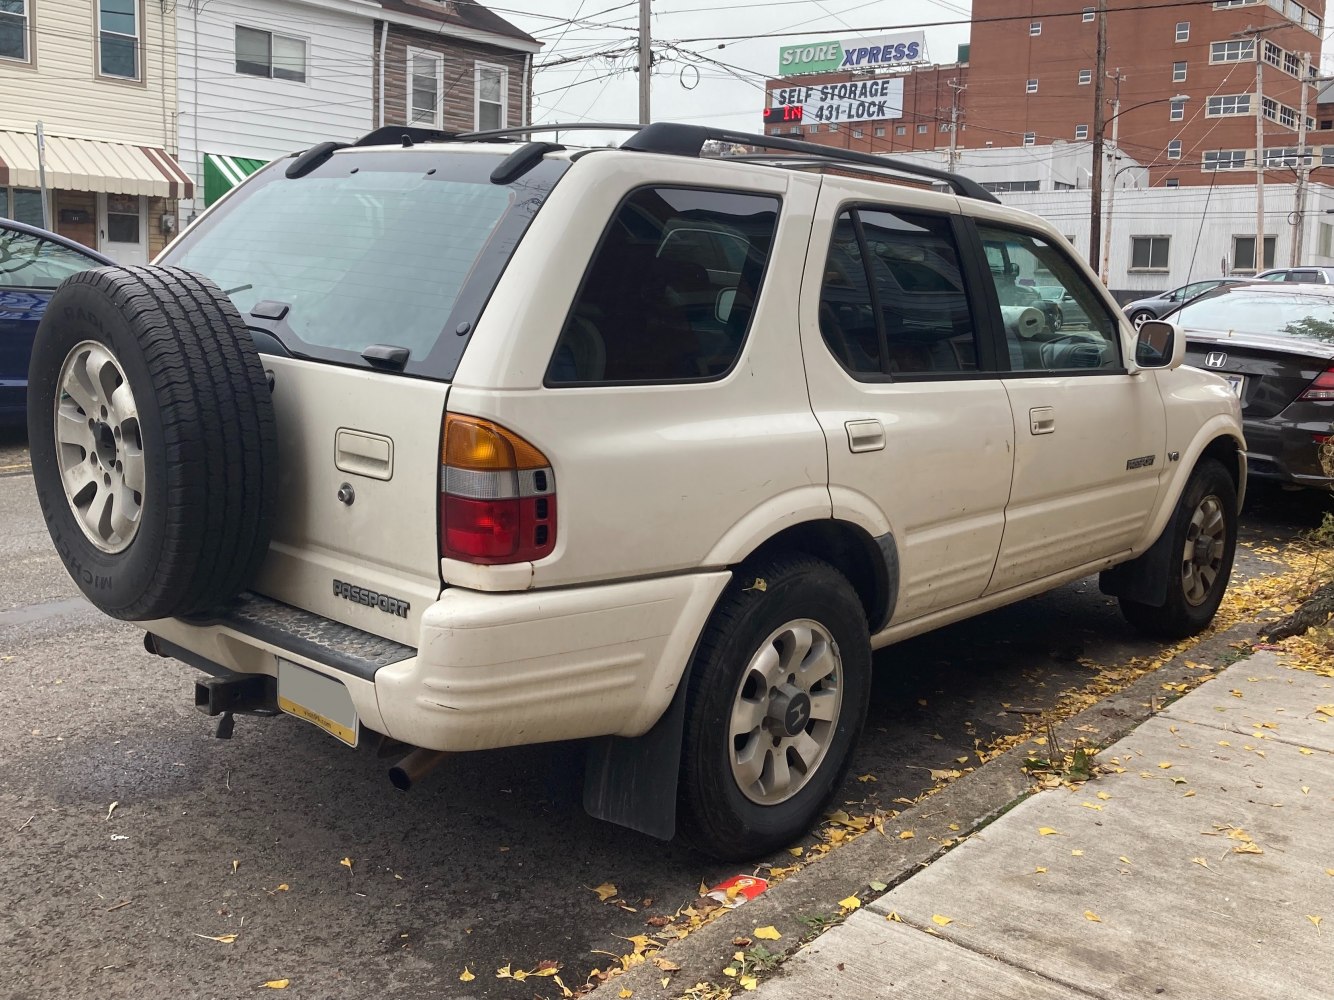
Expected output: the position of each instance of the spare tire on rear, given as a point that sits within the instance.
(153, 442)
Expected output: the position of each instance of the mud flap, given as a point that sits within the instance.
(1144, 579)
(632, 782)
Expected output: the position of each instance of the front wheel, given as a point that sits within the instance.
(1204, 541)
(777, 694)
(1141, 317)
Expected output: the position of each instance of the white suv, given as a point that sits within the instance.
(468, 443)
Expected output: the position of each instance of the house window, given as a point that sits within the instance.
(1030, 138)
(1183, 31)
(491, 84)
(1085, 76)
(900, 129)
(1149, 253)
(21, 205)
(832, 128)
(1032, 86)
(1174, 149)
(263, 53)
(1243, 253)
(1228, 104)
(1176, 111)
(424, 72)
(812, 129)
(14, 30)
(1178, 72)
(856, 133)
(921, 129)
(1172, 182)
(1035, 28)
(796, 130)
(1088, 14)
(1081, 131)
(118, 38)
(1238, 50)
(1326, 240)
(1224, 159)
(879, 133)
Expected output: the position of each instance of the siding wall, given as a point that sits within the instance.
(60, 85)
(458, 82)
(222, 111)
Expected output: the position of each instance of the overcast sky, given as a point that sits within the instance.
(684, 87)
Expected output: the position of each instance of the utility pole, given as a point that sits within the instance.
(1111, 195)
(645, 61)
(1256, 35)
(957, 89)
(1303, 170)
(1099, 75)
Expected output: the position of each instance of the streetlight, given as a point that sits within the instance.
(1111, 197)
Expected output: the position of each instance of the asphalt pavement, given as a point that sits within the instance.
(345, 887)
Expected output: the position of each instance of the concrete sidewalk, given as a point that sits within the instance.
(1198, 871)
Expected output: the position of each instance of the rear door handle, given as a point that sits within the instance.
(1042, 420)
(865, 435)
(364, 454)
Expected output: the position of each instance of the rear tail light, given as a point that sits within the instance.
(1322, 388)
(497, 495)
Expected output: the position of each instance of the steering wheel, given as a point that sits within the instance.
(1051, 350)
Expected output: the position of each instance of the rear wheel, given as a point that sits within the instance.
(777, 694)
(1204, 541)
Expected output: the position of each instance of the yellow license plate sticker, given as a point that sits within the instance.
(320, 700)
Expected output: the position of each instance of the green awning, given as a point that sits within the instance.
(222, 173)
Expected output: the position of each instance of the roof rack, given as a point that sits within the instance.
(676, 139)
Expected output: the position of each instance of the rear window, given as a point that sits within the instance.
(1268, 313)
(370, 248)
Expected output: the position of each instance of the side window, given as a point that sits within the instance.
(671, 290)
(1054, 320)
(31, 262)
(893, 299)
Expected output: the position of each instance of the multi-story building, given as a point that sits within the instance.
(101, 82)
(263, 78)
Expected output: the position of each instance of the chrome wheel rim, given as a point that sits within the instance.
(1202, 555)
(1140, 319)
(99, 447)
(785, 712)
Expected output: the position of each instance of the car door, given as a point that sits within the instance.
(1089, 437)
(31, 266)
(916, 423)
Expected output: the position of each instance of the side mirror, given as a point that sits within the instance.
(723, 308)
(1160, 344)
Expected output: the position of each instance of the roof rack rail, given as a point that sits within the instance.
(517, 130)
(408, 135)
(688, 140)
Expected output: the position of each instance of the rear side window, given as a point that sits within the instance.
(893, 300)
(671, 290)
(28, 261)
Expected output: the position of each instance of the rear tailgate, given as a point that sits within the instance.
(355, 537)
(1267, 378)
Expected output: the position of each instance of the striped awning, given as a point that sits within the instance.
(222, 173)
(92, 165)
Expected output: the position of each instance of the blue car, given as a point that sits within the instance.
(32, 263)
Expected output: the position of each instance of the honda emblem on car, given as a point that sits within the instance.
(1215, 359)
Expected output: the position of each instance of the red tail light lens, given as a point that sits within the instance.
(1322, 388)
(497, 495)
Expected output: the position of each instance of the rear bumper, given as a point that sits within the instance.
(496, 669)
(1284, 448)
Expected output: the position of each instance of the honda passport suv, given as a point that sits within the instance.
(458, 442)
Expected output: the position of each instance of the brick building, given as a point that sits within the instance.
(1029, 73)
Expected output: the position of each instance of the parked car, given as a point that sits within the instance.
(1158, 306)
(425, 439)
(32, 263)
(1308, 275)
(1274, 344)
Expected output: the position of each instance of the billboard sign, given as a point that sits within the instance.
(881, 52)
(855, 101)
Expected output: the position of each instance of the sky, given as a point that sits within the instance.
(686, 88)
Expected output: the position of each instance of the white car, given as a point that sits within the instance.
(463, 444)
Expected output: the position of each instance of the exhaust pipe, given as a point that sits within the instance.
(415, 766)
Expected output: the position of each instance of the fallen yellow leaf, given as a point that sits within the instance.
(954, 826)
(235, 865)
(1077, 854)
(665, 964)
(664, 980)
(1039, 871)
(1305, 750)
(283, 887)
(1247, 849)
(1046, 831)
(465, 976)
(1325, 710)
(346, 862)
(1202, 862)
(851, 903)
(1090, 915)
(276, 984)
(940, 921)
(1306, 789)
(1165, 764)
(906, 835)
(1104, 796)
(1315, 920)
(1224, 743)
(794, 851)
(769, 933)
(894, 916)
(1329, 872)
(1125, 859)
(625, 994)
(863, 778)
(221, 938)
(605, 891)
(748, 982)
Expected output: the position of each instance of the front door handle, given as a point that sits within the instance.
(1042, 420)
(865, 435)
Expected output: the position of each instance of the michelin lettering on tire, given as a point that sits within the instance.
(153, 441)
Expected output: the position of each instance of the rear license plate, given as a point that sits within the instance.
(1238, 382)
(320, 700)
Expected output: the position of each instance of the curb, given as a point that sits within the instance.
(971, 802)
